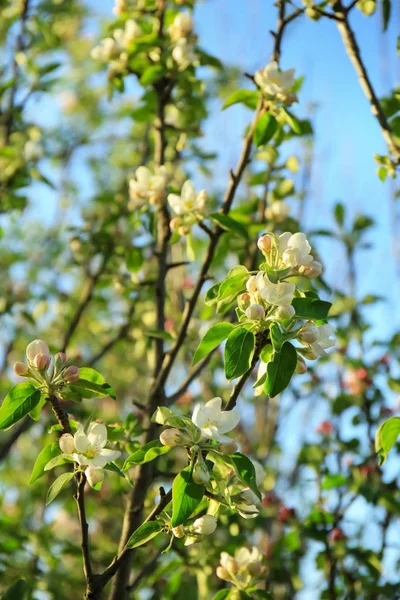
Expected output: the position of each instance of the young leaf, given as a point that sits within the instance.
(16, 591)
(146, 454)
(43, 458)
(245, 470)
(309, 308)
(265, 129)
(61, 459)
(151, 74)
(35, 413)
(229, 224)
(214, 336)
(145, 533)
(57, 486)
(186, 496)
(232, 285)
(280, 370)
(247, 97)
(386, 437)
(239, 351)
(20, 400)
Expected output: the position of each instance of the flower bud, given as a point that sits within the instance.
(184, 230)
(337, 535)
(41, 361)
(301, 366)
(231, 565)
(254, 568)
(161, 415)
(175, 223)
(309, 353)
(265, 243)
(325, 428)
(244, 301)
(222, 573)
(60, 358)
(179, 531)
(200, 473)
(251, 285)
(205, 525)
(94, 476)
(308, 333)
(172, 437)
(227, 447)
(36, 347)
(314, 269)
(21, 369)
(290, 257)
(285, 312)
(66, 443)
(71, 374)
(255, 312)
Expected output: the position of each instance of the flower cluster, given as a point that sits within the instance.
(287, 255)
(89, 452)
(244, 569)
(40, 368)
(188, 208)
(277, 211)
(276, 85)
(205, 525)
(115, 49)
(183, 39)
(317, 339)
(146, 186)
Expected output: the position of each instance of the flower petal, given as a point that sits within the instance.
(110, 455)
(198, 417)
(97, 435)
(215, 405)
(81, 440)
(228, 420)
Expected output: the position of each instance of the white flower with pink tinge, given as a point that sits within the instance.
(213, 421)
(90, 447)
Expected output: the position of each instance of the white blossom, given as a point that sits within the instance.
(105, 50)
(146, 186)
(278, 294)
(36, 347)
(278, 210)
(246, 504)
(295, 249)
(125, 37)
(94, 476)
(213, 421)
(184, 54)
(90, 447)
(276, 84)
(188, 207)
(181, 27)
(326, 339)
(205, 525)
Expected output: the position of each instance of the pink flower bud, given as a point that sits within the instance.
(265, 243)
(312, 270)
(301, 366)
(94, 476)
(337, 535)
(60, 357)
(251, 285)
(255, 312)
(171, 437)
(308, 333)
(227, 447)
(175, 223)
(325, 428)
(21, 369)
(41, 361)
(244, 301)
(179, 531)
(36, 347)
(66, 443)
(71, 374)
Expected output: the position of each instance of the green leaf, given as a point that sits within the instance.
(61, 459)
(222, 595)
(44, 456)
(333, 481)
(267, 353)
(212, 294)
(35, 413)
(239, 351)
(339, 213)
(245, 470)
(280, 370)
(265, 129)
(310, 308)
(230, 287)
(229, 224)
(191, 254)
(386, 437)
(145, 533)
(277, 337)
(20, 400)
(186, 496)
(91, 384)
(152, 74)
(16, 591)
(247, 97)
(134, 260)
(292, 121)
(214, 336)
(57, 486)
(146, 454)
